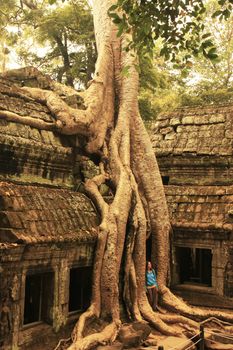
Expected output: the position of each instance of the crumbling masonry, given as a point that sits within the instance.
(194, 148)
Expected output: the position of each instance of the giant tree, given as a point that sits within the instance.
(116, 138)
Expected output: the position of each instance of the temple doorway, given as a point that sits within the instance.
(195, 265)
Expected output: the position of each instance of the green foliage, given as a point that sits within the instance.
(8, 11)
(68, 33)
(216, 96)
(157, 90)
(203, 75)
(179, 23)
(152, 74)
(150, 105)
(55, 36)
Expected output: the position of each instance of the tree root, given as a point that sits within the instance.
(33, 122)
(60, 342)
(77, 332)
(106, 336)
(129, 152)
(155, 319)
(177, 305)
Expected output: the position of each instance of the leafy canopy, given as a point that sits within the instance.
(58, 39)
(179, 23)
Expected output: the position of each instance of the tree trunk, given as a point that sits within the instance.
(116, 134)
(66, 60)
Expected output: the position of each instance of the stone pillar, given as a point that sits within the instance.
(61, 295)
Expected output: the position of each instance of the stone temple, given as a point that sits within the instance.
(194, 149)
(48, 227)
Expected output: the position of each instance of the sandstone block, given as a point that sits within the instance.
(163, 123)
(156, 137)
(188, 120)
(35, 135)
(219, 118)
(165, 131)
(175, 121)
(229, 134)
(200, 120)
(170, 136)
(179, 129)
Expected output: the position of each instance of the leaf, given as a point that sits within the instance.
(125, 71)
(147, 27)
(217, 13)
(212, 57)
(120, 2)
(113, 8)
(207, 35)
(211, 54)
(207, 43)
(121, 28)
(212, 51)
(116, 18)
(226, 13)
(163, 51)
(203, 10)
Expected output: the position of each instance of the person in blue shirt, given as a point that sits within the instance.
(151, 286)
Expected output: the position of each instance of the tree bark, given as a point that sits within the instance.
(66, 60)
(115, 132)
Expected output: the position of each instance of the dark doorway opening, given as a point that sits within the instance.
(165, 180)
(38, 298)
(80, 288)
(195, 265)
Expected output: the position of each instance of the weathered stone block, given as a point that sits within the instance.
(14, 220)
(156, 137)
(163, 123)
(203, 119)
(166, 130)
(34, 134)
(170, 136)
(229, 134)
(175, 121)
(219, 118)
(192, 143)
(179, 129)
(187, 120)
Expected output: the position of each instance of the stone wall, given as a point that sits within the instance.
(16, 263)
(30, 155)
(47, 228)
(194, 149)
(195, 146)
(42, 230)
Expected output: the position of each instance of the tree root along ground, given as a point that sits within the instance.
(116, 136)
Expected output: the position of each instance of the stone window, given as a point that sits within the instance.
(38, 302)
(195, 265)
(165, 180)
(80, 288)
